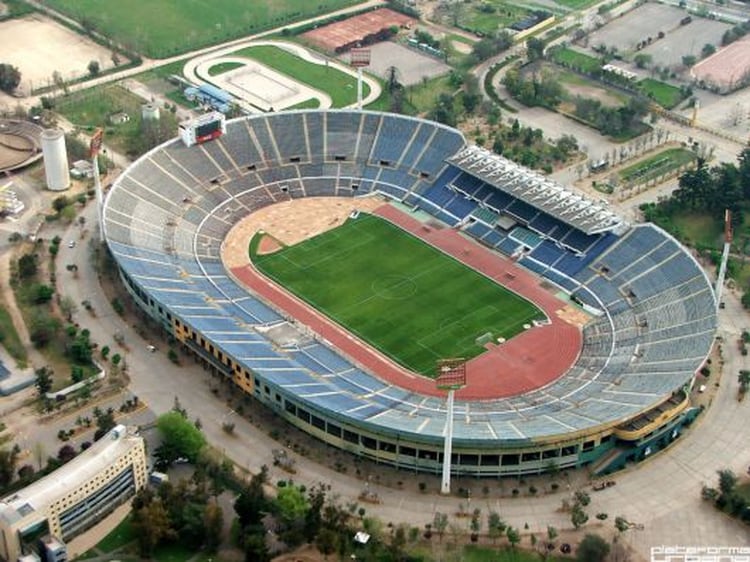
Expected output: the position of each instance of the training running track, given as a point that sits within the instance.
(528, 361)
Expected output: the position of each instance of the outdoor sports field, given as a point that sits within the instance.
(401, 295)
(160, 28)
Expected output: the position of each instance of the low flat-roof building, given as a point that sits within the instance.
(74, 497)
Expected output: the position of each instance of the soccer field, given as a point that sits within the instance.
(160, 28)
(401, 295)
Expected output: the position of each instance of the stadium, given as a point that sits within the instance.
(617, 318)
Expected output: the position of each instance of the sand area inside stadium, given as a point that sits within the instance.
(290, 222)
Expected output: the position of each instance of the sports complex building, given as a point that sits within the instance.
(604, 380)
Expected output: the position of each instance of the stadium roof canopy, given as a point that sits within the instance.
(536, 190)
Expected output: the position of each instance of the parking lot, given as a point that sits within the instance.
(686, 40)
(413, 66)
(638, 25)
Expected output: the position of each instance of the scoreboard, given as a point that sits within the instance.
(204, 128)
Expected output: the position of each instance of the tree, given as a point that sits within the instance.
(621, 524)
(152, 525)
(8, 460)
(316, 499)
(105, 421)
(535, 48)
(727, 482)
(27, 266)
(255, 548)
(66, 453)
(495, 525)
(643, 60)
(391, 80)
(213, 523)
(94, 68)
(327, 542)
(689, 60)
(251, 502)
(593, 548)
(68, 307)
(514, 537)
(292, 504)
(582, 498)
(707, 50)
(578, 516)
(10, 78)
(43, 328)
(440, 523)
(43, 381)
(26, 473)
(744, 380)
(444, 110)
(180, 438)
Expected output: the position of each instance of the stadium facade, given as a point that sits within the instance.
(653, 311)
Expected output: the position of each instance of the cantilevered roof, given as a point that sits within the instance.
(536, 190)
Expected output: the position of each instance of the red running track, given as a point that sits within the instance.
(528, 361)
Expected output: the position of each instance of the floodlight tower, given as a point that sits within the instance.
(359, 58)
(95, 145)
(451, 377)
(724, 256)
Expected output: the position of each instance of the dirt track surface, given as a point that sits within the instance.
(38, 46)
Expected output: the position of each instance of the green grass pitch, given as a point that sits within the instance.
(401, 295)
(161, 28)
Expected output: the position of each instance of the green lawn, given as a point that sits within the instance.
(473, 553)
(489, 16)
(657, 165)
(422, 96)
(576, 84)
(576, 4)
(340, 86)
(161, 28)
(91, 108)
(664, 94)
(118, 537)
(404, 297)
(574, 59)
(10, 339)
(223, 67)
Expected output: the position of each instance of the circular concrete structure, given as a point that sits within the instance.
(642, 308)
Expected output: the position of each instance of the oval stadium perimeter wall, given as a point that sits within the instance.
(653, 309)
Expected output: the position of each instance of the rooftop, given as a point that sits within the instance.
(544, 194)
(70, 476)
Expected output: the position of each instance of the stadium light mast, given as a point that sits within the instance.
(359, 58)
(451, 377)
(724, 256)
(95, 145)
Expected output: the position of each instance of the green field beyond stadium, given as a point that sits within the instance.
(161, 28)
(399, 294)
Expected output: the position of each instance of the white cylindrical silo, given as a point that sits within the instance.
(150, 111)
(55, 159)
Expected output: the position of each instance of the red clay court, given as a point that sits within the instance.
(526, 362)
(727, 67)
(339, 35)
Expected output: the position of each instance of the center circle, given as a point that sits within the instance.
(394, 287)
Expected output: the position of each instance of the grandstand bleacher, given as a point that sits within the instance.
(654, 310)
